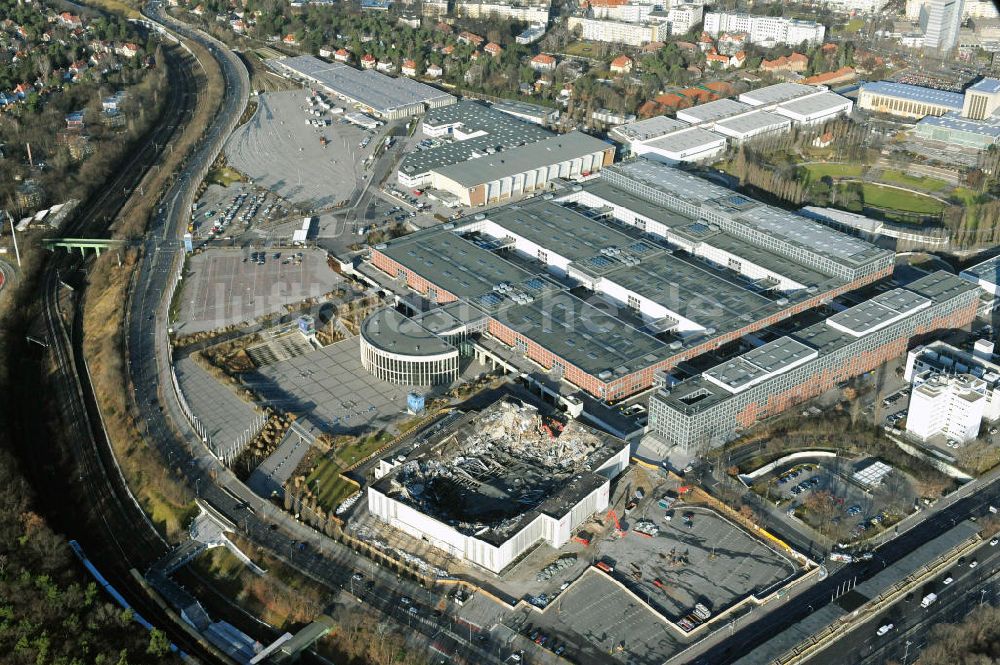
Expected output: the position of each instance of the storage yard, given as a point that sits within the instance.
(695, 557)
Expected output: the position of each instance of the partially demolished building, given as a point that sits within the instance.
(487, 486)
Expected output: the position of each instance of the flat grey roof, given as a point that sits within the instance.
(585, 336)
(649, 128)
(367, 87)
(768, 359)
(503, 132)
(523, 108)
(988, 270)
(563, 230)
(752, 121)
(548, 151)
(709, 299)
(881, 309)
(717, 110)
(808, 233)
(825, 101)
(779, 92)
(453, 263)
(686, 139)
(390, 331)
(698, 393)
(787, 226)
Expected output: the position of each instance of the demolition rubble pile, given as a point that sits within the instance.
(508, 454)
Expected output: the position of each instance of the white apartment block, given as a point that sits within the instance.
(618, 32)
(944, 359)
(946, 405)
(683, 17)
(533, 13)
(765, 30)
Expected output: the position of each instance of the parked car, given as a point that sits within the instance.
(884, 629)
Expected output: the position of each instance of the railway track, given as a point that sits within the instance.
(111, 526)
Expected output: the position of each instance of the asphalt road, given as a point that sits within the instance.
(911, 622)
(148, 353)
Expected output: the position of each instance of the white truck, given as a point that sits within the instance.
(928, 600)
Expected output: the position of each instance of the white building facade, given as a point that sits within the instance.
(950, 406)
(765, 30)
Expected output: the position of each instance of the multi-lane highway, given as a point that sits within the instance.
(911, 623)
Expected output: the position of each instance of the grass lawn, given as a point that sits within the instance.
(224, 176)
(912, 181)
(851, 28)
(581, 49)
(895, 199)
(966, 195)
(325, 480)
(833, 169)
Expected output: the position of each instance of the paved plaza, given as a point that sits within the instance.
(224, 286)
(331, 391)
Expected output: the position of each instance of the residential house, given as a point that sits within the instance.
(543, 63)
(737, 60)
(409, 68)
(238, 25)
(621, 65)
(823, 140)
(69, 20)
(796, 62)
(385, 66)
(717, 60)
(434, 71)
(342, 55)
(325, 51)
(290, 40)
(444, 27)
(842, 75)
(493, 49)
(368, 61)
(730, 43)
(705, 43)
(653, 47)
(74, 120)
(472, 38)
(127, 50)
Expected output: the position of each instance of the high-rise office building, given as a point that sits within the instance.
(940, 20)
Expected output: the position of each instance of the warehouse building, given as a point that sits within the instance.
(752, 125)
(815, 109)
(705, 115)
(372, 92)
(701, 133)
(493, 155)
(686, 145)
(956, 130)
(908, 101)
(487, 487)
(716, 405)
(686, 266)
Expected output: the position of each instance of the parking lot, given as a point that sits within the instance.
(318, 167)
(224, 286)
(331, 390)
(227, 212)
(821, 493)
(705, 559)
